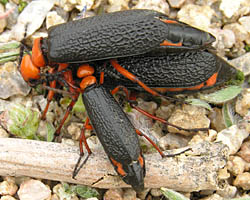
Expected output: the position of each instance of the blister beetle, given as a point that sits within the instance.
(113, 128)
(113, 35)
(172, 73)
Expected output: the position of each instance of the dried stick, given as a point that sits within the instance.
(192, 171)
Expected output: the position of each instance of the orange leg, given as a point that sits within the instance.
(118, 88)
(69, 109)
(82, 140)
(157, 148)
(164, 121)
(50, 96)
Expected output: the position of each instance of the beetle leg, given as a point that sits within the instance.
(49, 96)
(164, 121)
(69, 109)
(82, 140)
(49, 99)
(118, 88)
(157, 148)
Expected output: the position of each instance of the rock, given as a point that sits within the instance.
(197, 16)
(8, 188)
(55, 197)
(225, 39)
(32, 16)
(158, 5)
(243, 180)
(74, 129)
(243, 103)
(165, 111)
(117, 5)
(68, 5)
(11, 81)
(234, 8)
(242, 63)
(228, 192)
(232, 137)
(223, 174)
(114, 194)
(155, 192)
(236, 165)
(217, 121)
(3, 21)
(245, 22)
(3, 133)
(244, 152)
(129, 194)
(176, 3)
(144, 193)
(6, 36)
(240, 32)
(7, 197)
(12, 8)
(173, 141)
(33, 190)
(188, 117)
(53, 19)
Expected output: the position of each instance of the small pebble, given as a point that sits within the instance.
(157, 5)
(197, 16)
(7, 197)
(236, 165)
(3, 133)
(228, 192)
(53, 19)
(11, 81)
(243, 103)
(129, 194)
(8, 188)
(188, 117)
(173, 141)
(233, 138)
(33, 190)
(217, 121)
(223, 174)
(74, 129)
(3, 21)
(155, 192)
(114, 194)
(243, 180)
(244, 152)
(176, 3)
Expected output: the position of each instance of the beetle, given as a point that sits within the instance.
(113, 128)
(172, 73)
(116, 134)
(113, 35)
(187, 71)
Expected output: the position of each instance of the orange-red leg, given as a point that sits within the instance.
(50, 96)
(158, 149)
(82, 140)
(164, 121)
(118, 88)
(69, 109)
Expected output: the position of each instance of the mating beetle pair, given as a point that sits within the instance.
(136, 41)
